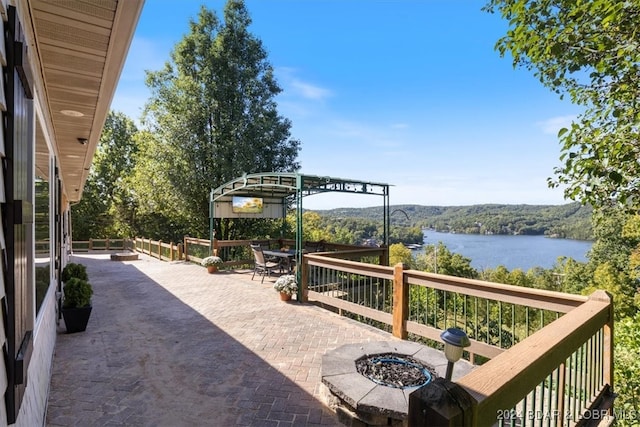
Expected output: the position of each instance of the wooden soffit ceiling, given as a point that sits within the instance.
(80, 48)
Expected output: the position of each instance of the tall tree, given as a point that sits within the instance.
(213, 114)
(589, 50)
(106, 207)
(158, 211)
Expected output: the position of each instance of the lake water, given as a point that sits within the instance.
(524, 252)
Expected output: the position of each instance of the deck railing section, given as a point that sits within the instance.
(158, 249)
(494, 316)
(42, 246)
(560, 376)
(363, 289)
(546, 355)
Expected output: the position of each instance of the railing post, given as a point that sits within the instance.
(607, 361)
(304, 279)
(383, 258)
(160, 250)
(215, 246)
(171, 251)
(179, 251)
(186, 250)
(90, 244)
(400, 302)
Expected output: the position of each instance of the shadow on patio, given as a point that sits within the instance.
(170, 345)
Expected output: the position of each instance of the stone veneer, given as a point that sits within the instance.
(360, 401)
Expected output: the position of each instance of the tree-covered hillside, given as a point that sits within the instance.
(568, 221)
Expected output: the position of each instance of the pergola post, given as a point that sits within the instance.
(212, 231)
(299, 235)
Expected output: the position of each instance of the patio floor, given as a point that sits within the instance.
(170, 345)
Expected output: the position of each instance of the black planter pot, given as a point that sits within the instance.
(76, 319)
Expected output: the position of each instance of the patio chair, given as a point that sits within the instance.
(262, 266)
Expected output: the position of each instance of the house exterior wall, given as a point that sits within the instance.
(3, 245)
(28, 65)
(25, 399)
(34, 404)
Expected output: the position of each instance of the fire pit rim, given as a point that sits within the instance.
(340, 376)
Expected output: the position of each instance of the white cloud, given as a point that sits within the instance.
(309, 91)
(554, 124)
(295, 86)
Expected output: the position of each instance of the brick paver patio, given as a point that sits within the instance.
(170, 345)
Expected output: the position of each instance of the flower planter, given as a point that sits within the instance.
(286, 286)
(285, 297)
(76, 319)
(212, 269)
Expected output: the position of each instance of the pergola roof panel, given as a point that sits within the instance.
(289, 184)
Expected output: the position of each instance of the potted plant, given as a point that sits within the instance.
(211, 262)
(286, 285)
(74, 270)
(76, 304)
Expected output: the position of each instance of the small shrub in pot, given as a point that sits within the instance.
(76, 270)
(77, 293)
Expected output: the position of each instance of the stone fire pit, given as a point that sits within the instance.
(355, 397)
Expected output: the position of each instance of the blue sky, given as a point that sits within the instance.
(410, 93)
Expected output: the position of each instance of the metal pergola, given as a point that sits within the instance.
(283, 190)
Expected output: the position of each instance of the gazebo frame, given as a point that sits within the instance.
(289, 188)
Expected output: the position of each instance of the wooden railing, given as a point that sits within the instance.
(42, 246)
(159, 249)
(562, 373)
(546, 356)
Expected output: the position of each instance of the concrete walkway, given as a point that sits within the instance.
(170, 345)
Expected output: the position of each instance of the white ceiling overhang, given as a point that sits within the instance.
(77, 49)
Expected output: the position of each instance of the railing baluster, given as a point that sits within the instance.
(500, 323)
(476, 320)
(487, 322)
(526, 411)
(435, 308)
(560, 402)
(513, 324)
(465, 320)
(455, 310)
(550, 409)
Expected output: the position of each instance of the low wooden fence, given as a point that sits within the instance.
(237, 253)
(117, 244)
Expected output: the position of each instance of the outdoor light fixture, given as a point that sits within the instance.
(82, 141)
(455, 340)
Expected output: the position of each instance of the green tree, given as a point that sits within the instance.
(589, 51)
(627, 369)
(618, 284)
(106, 208)
(439, 259)
(400, 253)
(213, 114)
(158, 211)
(569, 275)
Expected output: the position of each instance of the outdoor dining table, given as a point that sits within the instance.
(286, 257)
